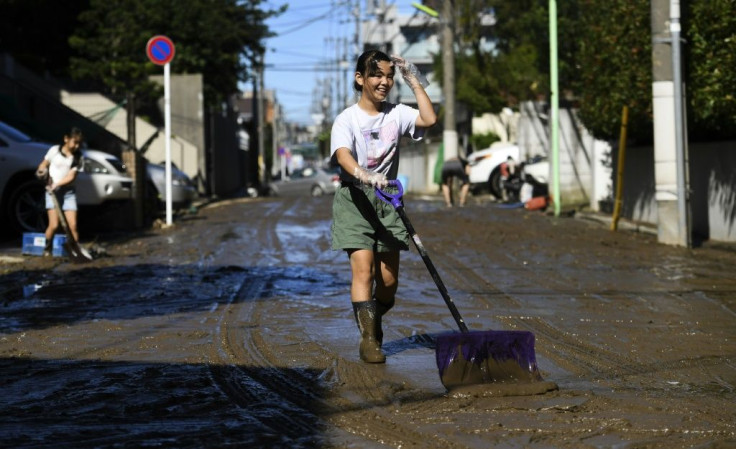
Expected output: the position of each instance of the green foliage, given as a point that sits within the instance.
(109, 42)
(483, 141)
(710, 58)
(218, 38)
(517, 68)
(615, 67)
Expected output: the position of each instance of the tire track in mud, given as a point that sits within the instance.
(246, 381)
(250, 383)
(574, 355)
(298, 403)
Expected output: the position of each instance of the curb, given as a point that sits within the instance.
(623, 224)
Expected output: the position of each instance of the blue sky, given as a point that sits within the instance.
(302, 53)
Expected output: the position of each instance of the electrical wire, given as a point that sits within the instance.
(302, 23)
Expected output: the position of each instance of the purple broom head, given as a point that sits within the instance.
(469, 358)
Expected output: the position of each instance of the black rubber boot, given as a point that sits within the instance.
(365, 316)
(381, 309)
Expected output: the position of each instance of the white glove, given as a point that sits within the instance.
(370, 178)
(411, 74)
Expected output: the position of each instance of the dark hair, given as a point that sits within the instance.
(367, 65)
(74, 132)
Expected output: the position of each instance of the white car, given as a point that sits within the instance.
(183, 190)
(312, 181)
(485, 166)
(22, 206)
(103, 178)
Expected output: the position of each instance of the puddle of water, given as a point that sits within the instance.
(30, 289)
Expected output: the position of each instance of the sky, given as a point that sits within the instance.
(304, 52)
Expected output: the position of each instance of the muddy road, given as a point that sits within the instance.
(234, 329)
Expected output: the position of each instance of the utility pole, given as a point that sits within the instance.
(356, 37)
(135, 163)
(670, 141)
(380, 12)
(449, 135)
(261, 115)
(357, 45)
(338, 80)
(554, 94)
(345, 64)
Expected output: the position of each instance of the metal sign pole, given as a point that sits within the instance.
(160, 50)
(167, 127)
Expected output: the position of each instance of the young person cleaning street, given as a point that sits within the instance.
(365, 144)
(61, 166)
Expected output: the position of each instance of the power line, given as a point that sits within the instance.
(293, 92)
(302, 55)
(303, 23)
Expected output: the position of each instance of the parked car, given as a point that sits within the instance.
(183, 190)
(312, 181)
(485, 167)
(22, 206)
(535, 170)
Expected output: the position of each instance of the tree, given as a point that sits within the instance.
(216, 38)
(516, 68)
(615, 67)
(710, 56)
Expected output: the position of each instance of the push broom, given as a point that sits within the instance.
(472, 357)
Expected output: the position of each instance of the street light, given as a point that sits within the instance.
(425, 9)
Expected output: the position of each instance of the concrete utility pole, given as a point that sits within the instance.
(338, 80)
(449, 135)
(554, 100)
(670, 134)
(357, 44)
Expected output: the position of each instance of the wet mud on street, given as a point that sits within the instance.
(234, 329)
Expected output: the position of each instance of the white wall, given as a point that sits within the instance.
(183, 153)
(584, 162)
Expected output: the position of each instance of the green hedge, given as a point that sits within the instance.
(710, 58)
(615, 62)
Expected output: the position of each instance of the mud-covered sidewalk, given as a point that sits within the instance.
(233, 329)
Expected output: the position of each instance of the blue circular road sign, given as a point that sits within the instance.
(160, 50)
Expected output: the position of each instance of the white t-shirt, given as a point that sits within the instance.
(374, 139)
(59, 164)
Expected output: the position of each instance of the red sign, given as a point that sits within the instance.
(160, 50)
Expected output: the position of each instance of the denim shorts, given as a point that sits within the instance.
(67, 199)
(360, 220)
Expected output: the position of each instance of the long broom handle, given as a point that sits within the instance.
(76, 252)
(432, 270)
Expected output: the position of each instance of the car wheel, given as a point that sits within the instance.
(27, 207)
(494, 184)
(317, 191)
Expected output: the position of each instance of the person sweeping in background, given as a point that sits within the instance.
(365, 144)
(61, 166)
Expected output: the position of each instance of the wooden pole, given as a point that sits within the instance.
(620, 168)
